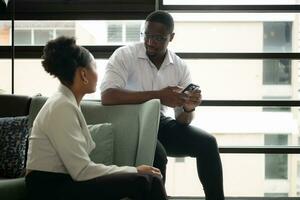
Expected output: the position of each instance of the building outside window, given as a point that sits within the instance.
(123, 32)
(32, 33)
(276, 194)
(276, 108)
(276, 166)
(114, 33)
(23, 37)
(277, 38)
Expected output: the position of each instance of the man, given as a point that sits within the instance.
(144, 71)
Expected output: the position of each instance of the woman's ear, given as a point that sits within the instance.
(83, 76)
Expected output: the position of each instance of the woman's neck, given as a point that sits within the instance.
(76, 92)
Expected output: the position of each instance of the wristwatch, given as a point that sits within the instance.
(188, 111)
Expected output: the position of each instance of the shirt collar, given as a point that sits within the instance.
(168, 59)
(68, 93)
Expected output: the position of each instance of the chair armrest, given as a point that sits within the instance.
(149, 115)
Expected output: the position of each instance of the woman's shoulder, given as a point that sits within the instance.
(60, 105)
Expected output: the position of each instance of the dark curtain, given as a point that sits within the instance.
(2, 6)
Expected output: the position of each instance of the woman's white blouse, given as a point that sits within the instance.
(60, 141)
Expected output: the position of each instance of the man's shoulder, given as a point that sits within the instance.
(130, 49)
(176, 59)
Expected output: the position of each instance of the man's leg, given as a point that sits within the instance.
(182, 140)
(160, 159)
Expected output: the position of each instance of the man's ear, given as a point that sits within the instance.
(172, 36)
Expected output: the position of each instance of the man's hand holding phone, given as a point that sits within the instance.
(174, 96)
(194, 97)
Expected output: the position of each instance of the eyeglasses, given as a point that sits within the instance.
(157, 38)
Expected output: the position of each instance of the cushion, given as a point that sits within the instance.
(13, 139)
(102, 134)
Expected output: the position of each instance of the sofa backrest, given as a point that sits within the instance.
(14, 105)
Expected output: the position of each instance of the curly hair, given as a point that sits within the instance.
(61, 57)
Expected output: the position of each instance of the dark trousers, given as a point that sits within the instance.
(178, 140)
(58, 186)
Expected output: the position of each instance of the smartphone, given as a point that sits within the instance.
(190, 87)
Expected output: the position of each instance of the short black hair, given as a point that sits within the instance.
(61, 57)
(162, 17)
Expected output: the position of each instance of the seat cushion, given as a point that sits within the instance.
(102, 135)
(13, 139)
(13, 189)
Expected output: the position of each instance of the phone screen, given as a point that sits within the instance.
(190, 87)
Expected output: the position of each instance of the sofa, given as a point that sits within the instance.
(134, 128)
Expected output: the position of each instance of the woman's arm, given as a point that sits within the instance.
(66, 136)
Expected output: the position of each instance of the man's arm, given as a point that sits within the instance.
(185, 118)
(169, 96)
(115, 96)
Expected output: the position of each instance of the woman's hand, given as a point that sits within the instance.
(146, 169)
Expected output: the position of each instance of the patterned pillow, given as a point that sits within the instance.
(13, 139)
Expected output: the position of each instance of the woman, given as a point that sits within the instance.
(58, 163)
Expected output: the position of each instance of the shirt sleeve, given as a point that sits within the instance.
(185, 75)
(64, 133)
(116, 72)
(184, 80)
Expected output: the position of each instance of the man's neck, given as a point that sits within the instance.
(157, 60)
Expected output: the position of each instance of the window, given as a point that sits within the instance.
(40, 32)
(276, 194)
(276, 109)
(180, 160)
(5, 80)
(230, 36)
(41, 37)
(277, 38)
(5, 33)
(298, 170)
(276, 165)
(23, 37)
(114, 33)
(65, 32)
(133, 32)
(124, 32)
(277, 72)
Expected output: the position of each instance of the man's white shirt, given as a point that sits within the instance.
(130, 68)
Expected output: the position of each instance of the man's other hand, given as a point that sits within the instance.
(171, 96)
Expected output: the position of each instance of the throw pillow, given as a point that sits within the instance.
(13, 139)
(102, 134)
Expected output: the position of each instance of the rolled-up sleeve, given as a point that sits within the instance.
(71, 146)
(116, 72)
